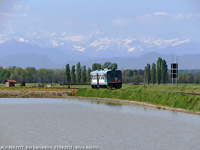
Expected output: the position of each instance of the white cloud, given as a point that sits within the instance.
(81, 49)
(121, 22)
(17, 7)
(12, 15)
(53, 34)
(75, 38)
(178, 17)
(20, 7)
(160, 13)
(1, 41)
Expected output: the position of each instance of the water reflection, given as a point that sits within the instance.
(92, 122)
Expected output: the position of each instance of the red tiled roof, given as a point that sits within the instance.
(10, 81)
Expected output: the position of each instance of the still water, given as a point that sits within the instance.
(78, 122)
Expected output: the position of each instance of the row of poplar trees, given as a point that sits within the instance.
(157, 73)
(77, 76)
(80, 75)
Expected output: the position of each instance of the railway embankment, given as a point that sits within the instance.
(165, 100)
(153, 96)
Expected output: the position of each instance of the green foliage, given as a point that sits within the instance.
(58, 76)
(78, 73)
(19, 75)
(153, 73)
(67, 74)
(163, 71)
(45, 75)
(30, 74)
(114, 66)
(96, 66)
(88, 74)
(158, 70)
(148, 74)
(73, 75)
(83, 75)
(152, 94)
(109, 65)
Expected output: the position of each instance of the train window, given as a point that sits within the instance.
(112, 75)
(115, 74)
(108, 76)
(119, 75)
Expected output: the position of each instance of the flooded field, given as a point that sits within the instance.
(74, 122)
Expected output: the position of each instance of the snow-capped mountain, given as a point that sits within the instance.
(61, 48)
(101, 45)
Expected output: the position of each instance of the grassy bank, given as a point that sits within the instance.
(152, 94)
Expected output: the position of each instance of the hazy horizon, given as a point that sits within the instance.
(65, 31)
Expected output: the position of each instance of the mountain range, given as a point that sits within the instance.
(56, 50)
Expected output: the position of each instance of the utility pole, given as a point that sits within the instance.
(144, 76)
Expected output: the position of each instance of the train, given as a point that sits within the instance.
(106, 78)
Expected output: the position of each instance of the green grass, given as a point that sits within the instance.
(153, 94)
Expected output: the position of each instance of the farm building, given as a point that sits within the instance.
(10, 83)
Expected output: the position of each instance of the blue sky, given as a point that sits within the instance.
(121, 18)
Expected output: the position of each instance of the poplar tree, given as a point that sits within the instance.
(148, 74)
(163, 71)
(153, 73)
(73, 75)
(67, 74)
(158, 72)
(78, 73)
(83, 75)
(88, 74)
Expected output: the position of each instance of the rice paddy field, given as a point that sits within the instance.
(164, 95)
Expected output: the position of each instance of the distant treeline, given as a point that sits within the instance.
(77, 74)
(160, 74)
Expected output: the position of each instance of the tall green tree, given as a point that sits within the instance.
(67, 74)
(78, 73)
(96, 66)
(45, 75)
(107, 65)
(73, 75)
(83, 75)
(114, 65)
(158, 71)
(148, 74)
(153, 73)
(99, 66)
(4, 75)
(163, 71)
(30, 74)
(19, 75)
(58, 75)
(88, 74)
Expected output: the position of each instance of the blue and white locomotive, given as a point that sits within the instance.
(106, 79)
